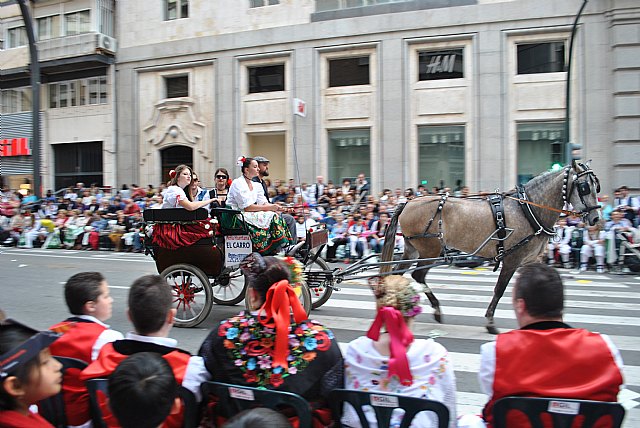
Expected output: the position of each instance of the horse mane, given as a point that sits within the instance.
(539, 180)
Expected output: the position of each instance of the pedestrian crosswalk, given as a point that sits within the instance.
(598, 302)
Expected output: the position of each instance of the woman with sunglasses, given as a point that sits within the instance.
(219, 193)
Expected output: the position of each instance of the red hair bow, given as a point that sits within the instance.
(172, 173)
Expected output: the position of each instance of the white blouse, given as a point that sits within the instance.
(240, 196)
(431, 368)
(172, 196)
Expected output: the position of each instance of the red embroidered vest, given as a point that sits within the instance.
(107, 362)
(77, 342)
(561, 362)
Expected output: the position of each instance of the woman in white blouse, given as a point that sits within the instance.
(267, 229)
(373, 362)
(175, 196)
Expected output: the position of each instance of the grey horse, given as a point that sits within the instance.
(465, 223)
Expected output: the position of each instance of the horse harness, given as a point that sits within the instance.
(497, 208)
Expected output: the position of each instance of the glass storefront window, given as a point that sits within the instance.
(441, 154)
(349, 154)
(540, 146)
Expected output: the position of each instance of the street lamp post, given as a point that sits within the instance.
(570, 147)
(34, 69)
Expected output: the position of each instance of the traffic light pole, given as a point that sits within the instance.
(568, 145)
(35, 89)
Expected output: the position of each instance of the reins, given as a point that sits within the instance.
(546, 207)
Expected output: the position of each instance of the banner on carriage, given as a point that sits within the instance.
(236, 248)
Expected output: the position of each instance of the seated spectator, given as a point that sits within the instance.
(393, 361)
(143, 391)
(257, 418)
(87, 297)
(378, 229)
(337, 237)
(358, 237)
(304, 222)
(593, 246)
(266, 348)
(150, 311)
(28, 374)
(560, 243)
(615, 227)
(518, 362)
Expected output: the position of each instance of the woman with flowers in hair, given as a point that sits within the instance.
(178, 194)
(389, 359)
(275, 346)
(267, 229)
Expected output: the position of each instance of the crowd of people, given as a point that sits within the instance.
(275, 346)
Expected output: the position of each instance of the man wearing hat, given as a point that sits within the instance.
(263, 171)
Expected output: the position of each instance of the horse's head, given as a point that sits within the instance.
(580, 189)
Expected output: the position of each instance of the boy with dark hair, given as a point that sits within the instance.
(143, 391)
(87, 297)
(150, 311)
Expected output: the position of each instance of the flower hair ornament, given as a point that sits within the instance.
(172, 173)
(241, 160)
(296, 271)
(229, 181)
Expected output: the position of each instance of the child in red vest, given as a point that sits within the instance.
(28, 374)
(88, 299)
(152, 315)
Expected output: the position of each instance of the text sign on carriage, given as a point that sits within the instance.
(236, 248)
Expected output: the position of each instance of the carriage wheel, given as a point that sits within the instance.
(305, 299)
(320, 292)
(191, 292)
(229, 289)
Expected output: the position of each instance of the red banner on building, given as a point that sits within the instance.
(15, 147)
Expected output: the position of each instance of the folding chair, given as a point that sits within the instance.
(560, 410)
(52, 408)
(191, 409)
(383, 405)
(233, 399)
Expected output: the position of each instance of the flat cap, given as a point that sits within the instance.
(261, 159)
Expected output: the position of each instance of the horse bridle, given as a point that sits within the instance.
(582, 186)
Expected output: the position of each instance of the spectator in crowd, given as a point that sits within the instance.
(125, 192)
(143, 391)
(90, 304)
(28, 374)
(518, 363)
(593, 246)
(560, 243)
(606, 207)
(304, 222)
(266, 348)
(362, 185)
(150, 311)
(358, 237)
(337, 237)
(346, 186)
(617, 226)
(389, 359)
(627, 204)
(258, 417)
(378, 229)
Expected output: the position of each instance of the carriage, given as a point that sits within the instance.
(204, 270)
(503, 228)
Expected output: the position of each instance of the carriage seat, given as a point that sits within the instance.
(174, 215)
(230, 221)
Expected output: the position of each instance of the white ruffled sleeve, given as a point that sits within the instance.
(172, 197)
(240, 196)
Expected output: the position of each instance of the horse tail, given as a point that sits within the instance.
(390, 239)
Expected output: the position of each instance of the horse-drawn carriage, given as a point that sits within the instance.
(203, 268)
(437, 230)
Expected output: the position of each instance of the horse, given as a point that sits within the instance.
(432, 226)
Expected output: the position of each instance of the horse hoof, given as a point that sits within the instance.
(492, 329)
(438, 317)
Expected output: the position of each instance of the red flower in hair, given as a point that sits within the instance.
(229, 181)
(172, 173)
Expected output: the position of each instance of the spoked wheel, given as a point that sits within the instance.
(317, 283)
(192, 296)
(305, 299)
(229, 288)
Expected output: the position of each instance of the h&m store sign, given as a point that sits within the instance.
(15, 147)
